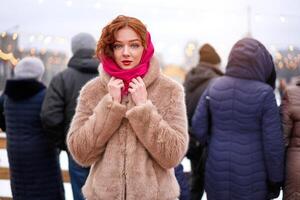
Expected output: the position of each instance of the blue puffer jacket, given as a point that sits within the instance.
(34, 165)
(238, 117)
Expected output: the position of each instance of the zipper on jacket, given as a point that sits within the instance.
(124, 165)
(125, 173)
(124, 154)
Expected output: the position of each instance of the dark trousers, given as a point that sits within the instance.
(197, 172)
(78, 176)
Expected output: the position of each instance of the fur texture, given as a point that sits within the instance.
(291, 127)
(132, 149)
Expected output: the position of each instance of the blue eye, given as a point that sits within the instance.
(117, 46)
(134, 45)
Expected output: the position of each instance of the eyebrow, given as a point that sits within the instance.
(134, 40)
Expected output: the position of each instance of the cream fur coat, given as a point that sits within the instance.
(132, 150)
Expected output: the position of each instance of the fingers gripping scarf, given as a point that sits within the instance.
(141, 69)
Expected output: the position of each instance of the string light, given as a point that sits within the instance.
(290, 61)
(190, 49)
(56, 58)
(15, 36)
(8, 57)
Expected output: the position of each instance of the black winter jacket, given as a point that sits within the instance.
(60, 101)
(195, 83)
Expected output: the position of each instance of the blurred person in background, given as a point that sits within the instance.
(237, 116)
(195, 83)
(290, 109)
(33, 160)
(130, 123)
(282, 87)
(61, 99)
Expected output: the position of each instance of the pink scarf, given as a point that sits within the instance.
(141, 69)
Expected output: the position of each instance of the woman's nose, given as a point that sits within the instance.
(126, 50)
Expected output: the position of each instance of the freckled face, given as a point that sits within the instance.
(128, 48)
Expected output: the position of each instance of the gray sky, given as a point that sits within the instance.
(172, 23)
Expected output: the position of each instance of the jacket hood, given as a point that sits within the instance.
(249, 59)
(83, 60)
(22, 88)
(200, 74)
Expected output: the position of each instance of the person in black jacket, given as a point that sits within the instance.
(195, 83)
(33, 160)
(60, 101)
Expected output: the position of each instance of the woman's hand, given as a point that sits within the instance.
(114, 88)
(138, 91)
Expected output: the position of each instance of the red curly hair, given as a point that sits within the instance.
(107, 39)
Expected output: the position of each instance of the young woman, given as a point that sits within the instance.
(130, 123)
(238, 118)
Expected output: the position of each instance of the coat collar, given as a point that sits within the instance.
(22, 88)
(200, 74)
(152, 74)
(84, 61)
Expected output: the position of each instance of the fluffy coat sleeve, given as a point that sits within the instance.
(165, 138)
(91, 128)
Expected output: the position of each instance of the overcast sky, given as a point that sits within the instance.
(172, 23)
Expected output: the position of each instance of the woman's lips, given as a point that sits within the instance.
(126, 62)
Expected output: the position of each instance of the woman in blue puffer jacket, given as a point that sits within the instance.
(238, 118)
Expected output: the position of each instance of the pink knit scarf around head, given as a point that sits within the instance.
(141, 69)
